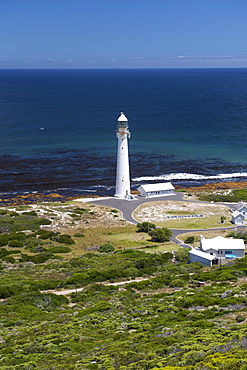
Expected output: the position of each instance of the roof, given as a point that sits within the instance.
(237, 214)
(157, 187)
(222, 243)
(204, 255)
(122, 118)
(240, 206)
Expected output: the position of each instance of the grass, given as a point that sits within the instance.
(161, 247)
(195, 223)
(180, 213)
(157, 212)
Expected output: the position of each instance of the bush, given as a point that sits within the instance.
(177, 283)
(37, 258)
(80, 211)
(9, 259)
(59, 250)
(4, 239)
(46, 235)
(145, 227)
(189, 240)
(16, 244)
(160, 235)
(182, 255)
(79, 235)
(65, 239)
(106, 248)
(17, 236)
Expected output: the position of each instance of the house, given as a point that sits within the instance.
(237, 218)
(213, 250)
(239, 215)
(156, 190)
(199, 256)
(223, 247)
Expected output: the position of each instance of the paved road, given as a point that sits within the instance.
(176, 232)
(127, 207)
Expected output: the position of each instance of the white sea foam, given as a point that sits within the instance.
(191, 176)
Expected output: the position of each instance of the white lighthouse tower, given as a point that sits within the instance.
(123, 172)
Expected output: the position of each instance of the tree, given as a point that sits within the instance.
(222, 219)
(145, 227)
(160, 235)
(189, 240)
(182, 255)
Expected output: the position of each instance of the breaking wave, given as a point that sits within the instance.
(191, 176)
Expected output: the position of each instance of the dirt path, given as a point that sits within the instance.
(76, 290)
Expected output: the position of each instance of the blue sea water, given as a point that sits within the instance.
(58, 126)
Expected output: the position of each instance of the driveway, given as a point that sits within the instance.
(127, 207)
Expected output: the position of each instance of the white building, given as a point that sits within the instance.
(156, 190)
(239, 215)
(123, 173)
(223, 247)
(206, 259)
(213, 250)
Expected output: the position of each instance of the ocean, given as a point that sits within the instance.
(188, 126)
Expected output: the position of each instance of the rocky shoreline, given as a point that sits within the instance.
(215, 186)
(8, 199)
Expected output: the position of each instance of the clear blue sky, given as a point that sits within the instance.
(123, 33)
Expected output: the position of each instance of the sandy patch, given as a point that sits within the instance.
(162, 211)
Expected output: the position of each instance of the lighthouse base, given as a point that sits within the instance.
(126, 196)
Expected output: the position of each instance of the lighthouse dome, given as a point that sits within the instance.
(122, 118)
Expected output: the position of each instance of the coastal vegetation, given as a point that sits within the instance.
(235, 195)
(76, 294)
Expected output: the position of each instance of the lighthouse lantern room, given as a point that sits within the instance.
(123, 173)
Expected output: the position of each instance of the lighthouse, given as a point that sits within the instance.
(123, 172)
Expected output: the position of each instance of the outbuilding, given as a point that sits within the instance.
(207, 259)
(156, 190)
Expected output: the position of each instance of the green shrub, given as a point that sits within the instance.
(44, 301)
(65, 239)
(22, 222)
(177, 283)
(80, 210)
(4, 252)
(37, 258)
(182, 255)
(4, 239)
(45, 235)
(79, 235)
(106, 248)
(13, 214)
(203, 324)
(30, 213)
(226, 275)
(17, 236)
(189, 240)
(8, 259)
(160, 235)
(59, 249)
(145, 227)
(16, 244)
